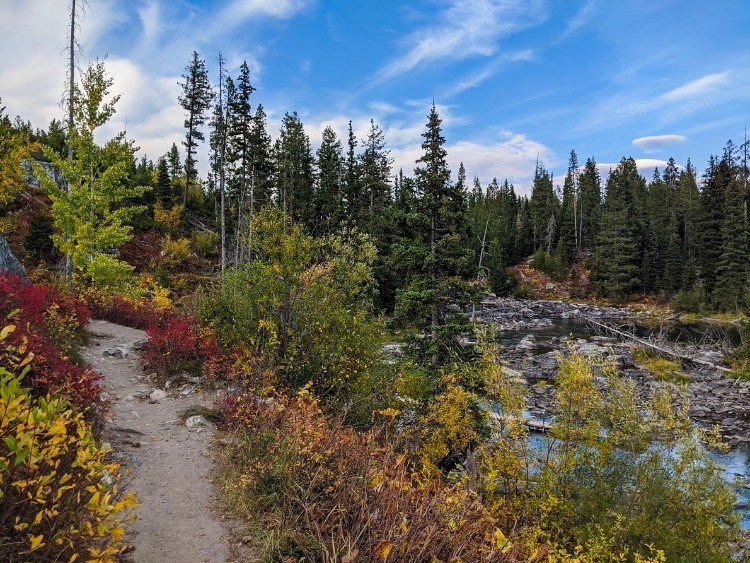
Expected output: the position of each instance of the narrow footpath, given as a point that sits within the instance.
(170, 464)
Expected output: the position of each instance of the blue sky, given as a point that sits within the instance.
(513, 79)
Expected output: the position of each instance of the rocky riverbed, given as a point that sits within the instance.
(534, 333)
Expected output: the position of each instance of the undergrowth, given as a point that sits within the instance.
(661, 367)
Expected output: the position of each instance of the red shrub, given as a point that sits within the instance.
(178, 345)
(43, 317)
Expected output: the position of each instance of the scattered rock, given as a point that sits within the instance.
(140, 345)
(157, 395)
(229, 442)
(591, 350)
(118, 353)
(196, 421)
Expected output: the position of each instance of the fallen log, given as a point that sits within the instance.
(660, 349)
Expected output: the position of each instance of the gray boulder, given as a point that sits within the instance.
(9, 264)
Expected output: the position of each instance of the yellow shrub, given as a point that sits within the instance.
(175, 252)
(168, 219)
(59, 498)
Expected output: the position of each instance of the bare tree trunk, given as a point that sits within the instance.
(222, 167)
(435, 320)
(68, 265)
(252, 211)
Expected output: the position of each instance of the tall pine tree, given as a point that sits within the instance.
(196, 101)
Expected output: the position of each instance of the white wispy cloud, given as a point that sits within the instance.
(467, 28)
(477, 79)
(150, 18)
(694, 96)
(655, 142)
(702, 86)
(237, 12)
(582, 17)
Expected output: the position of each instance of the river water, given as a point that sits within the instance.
(736, 462)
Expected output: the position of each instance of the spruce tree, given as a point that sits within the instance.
(175, 166)
(617, 260)
(374, 167)
(351, 182)
(56, 137)
(196, 101)
(328, 189)
(435, 298)
(524, 228)
(163, 183)
(294, 171)
(732, 266)
(260, 157)
(710, 238)
(240, 125)
(568, 241)
(673, 267)
(688, 208)
(219, 142)
(590, 190)
(543, 206)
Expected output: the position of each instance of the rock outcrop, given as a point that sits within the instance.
(9, 264)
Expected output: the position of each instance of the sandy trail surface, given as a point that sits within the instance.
(170, 465)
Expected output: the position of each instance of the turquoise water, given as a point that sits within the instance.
(736, 463)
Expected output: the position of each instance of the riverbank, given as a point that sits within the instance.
(533, 333)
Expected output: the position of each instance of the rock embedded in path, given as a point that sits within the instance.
(119, 352)
(196, 421)
(157, 395)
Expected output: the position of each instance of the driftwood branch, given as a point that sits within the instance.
(666, 351)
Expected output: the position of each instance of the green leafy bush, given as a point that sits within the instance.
(615, 472)
(206, 244)
(690, 301)
(552, 265)
(301, 306)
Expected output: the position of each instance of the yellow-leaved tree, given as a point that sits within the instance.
(92, 213)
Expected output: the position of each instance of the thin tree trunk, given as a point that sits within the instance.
(435, 321)
(68, 265)
(222, 165)
(252, 211)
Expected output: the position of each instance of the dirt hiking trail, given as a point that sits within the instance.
(170, 464)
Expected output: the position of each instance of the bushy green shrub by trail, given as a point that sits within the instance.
(301, 306)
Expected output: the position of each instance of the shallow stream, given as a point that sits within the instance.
(736, 462)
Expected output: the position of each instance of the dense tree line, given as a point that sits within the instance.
(677, 235)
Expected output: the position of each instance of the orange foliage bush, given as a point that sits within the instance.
(349, 496)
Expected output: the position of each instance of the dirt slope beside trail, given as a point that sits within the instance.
(170, 464)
